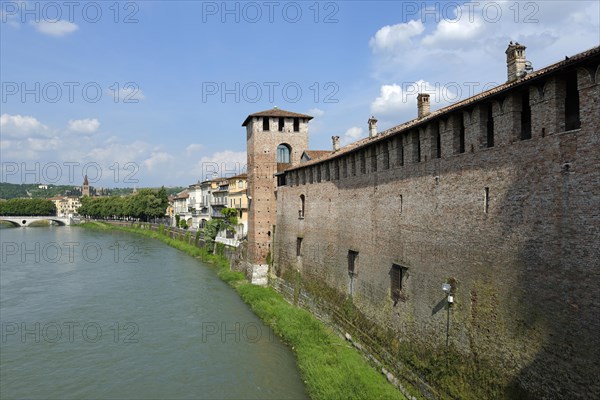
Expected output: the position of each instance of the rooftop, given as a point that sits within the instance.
(567, 62)
(276, 112)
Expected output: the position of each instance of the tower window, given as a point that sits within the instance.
(572, 119)
(281, 124)
(525, 116)
(266, 124)
(298, 246)
(296, 124)
(436, 141)
(283, 154)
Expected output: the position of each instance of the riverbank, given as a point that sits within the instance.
(330, 368)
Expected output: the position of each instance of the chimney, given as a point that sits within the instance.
(372, 127)
(423, 105)
(336, 142)
(515, 61)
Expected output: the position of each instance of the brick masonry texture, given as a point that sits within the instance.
(514, 227)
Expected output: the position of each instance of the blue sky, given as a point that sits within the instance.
(154, 72)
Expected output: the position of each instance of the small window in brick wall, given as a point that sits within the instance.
(298, 247)
(397, 277)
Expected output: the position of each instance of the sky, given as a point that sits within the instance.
(150, 93)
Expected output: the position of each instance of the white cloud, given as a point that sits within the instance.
(131, 93)
(316, 112)
(88, 125)
(55, 28)
(400, 101)
(193, 148)
(393, 37)
(351, 135)
(222, 163)
(156, 158)
(451, 33)
(21, 125)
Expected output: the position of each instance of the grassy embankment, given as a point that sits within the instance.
(331, 369)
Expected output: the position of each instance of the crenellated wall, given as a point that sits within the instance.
(514, 228)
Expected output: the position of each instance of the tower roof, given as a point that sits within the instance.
(85, 181)
(276, 112)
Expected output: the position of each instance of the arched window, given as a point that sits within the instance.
(283, 154)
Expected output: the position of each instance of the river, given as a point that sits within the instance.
(88, 314)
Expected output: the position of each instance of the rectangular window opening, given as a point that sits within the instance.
(572, 117)
(525, 116)
(298, 247)
(486, 199)
(352, 262)
(281, 124)
(397, 276)
(490, 126)
(266, 124)
(296, 124)
(461, 135)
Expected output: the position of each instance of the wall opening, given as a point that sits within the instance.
(352, 265)
(525, 116)
(298, 247)
(437, 141)
(353, 164)
(281, 124)
(418, 145)
(459, 141)
(397, 276)
(302, 205)
(296, 124)
(283, 154)
(266, 124)
(490, 126)
(336, 165)
(572, 118)
(486, 199)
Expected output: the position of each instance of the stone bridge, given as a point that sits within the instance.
(26, 221)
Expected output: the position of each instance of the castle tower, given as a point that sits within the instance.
(275, 139)
(85, 189)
